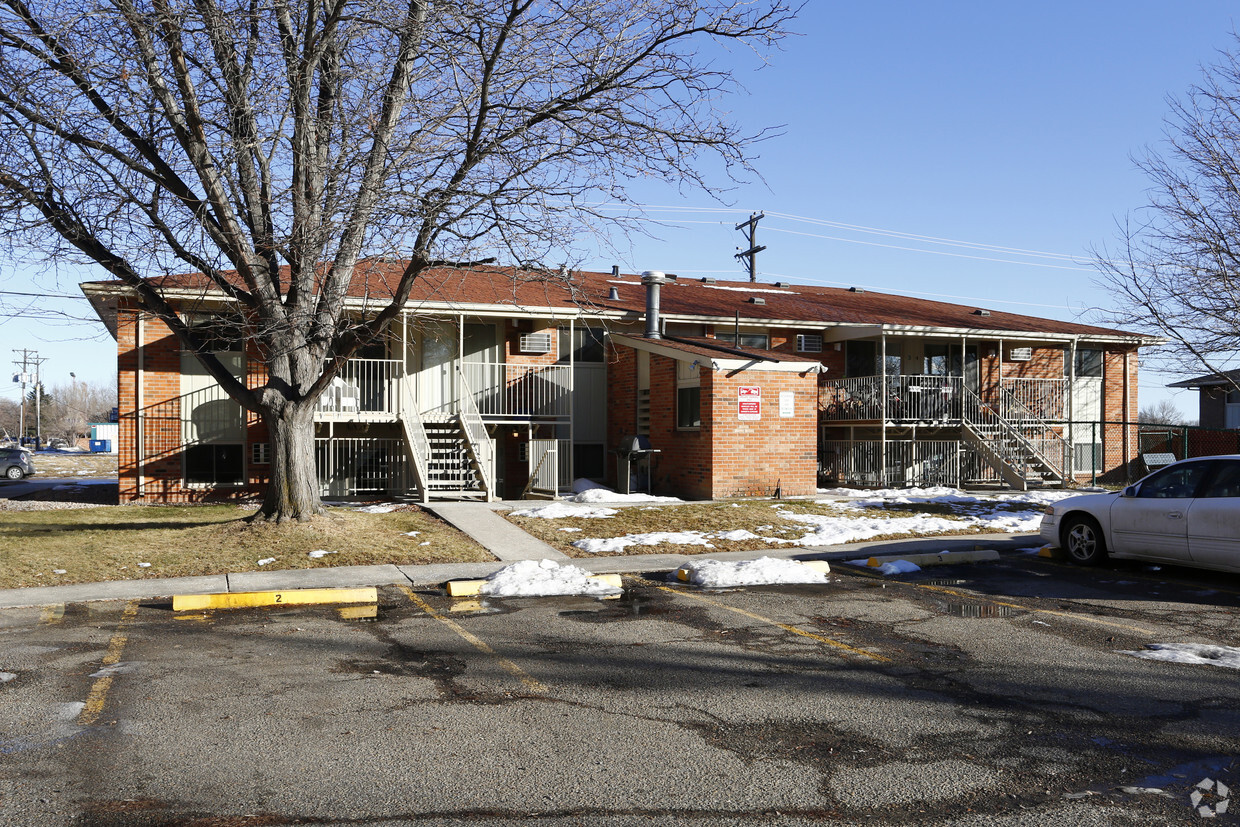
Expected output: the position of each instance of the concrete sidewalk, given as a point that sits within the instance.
(491, 531)
(436, 574)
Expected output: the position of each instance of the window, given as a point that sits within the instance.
(1178, 482)
(214, 464)
(809, 343)
(218, 334)
(757, 341)
(585, 344)
(1225, 481)
(1088, 362)
(860, 359)
(1088, 456)
(688, 395)
(260, 453)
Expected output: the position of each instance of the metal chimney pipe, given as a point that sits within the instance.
(614, 294)
(653, 281)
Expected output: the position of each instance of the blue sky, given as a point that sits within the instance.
(996, 124)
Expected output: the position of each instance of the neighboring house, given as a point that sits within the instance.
(498, 383)
(1218, 403)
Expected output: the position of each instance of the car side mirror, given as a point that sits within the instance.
(1130, 491)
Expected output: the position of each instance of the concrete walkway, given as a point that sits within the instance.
(498, 536)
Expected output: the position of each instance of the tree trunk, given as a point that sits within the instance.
(293, 492)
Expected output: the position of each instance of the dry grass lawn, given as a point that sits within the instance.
(72, 464)
(762, 517)
(112, 543)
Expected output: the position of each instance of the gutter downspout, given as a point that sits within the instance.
(139, 333)
(1127, 437)
(1072, 414)
(882, 394)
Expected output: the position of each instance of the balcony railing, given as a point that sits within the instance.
(371, 389)
(901, 398)
(926, 398)
(507, 391)
(364, 388)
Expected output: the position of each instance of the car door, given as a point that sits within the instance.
(1153, 522)
(1214, 518)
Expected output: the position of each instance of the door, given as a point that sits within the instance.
(436, 356)
(1214, 519)
(1154, 522)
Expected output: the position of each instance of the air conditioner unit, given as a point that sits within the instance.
(536, 342)
(809, 343)
(1020, 354)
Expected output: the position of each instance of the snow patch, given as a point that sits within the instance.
(5, 677)
(317, 553)
(716, 574)
(1201, 654)
(378, 508)
(541, 578)
(608, 545)
(266, 561)
(560, 511)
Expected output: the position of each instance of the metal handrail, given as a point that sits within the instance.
(476, 434)
(420, 444)
(1029, 419)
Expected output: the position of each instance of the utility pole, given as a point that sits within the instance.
(29, 359)
(750, 256)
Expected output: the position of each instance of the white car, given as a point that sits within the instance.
(1187, 514)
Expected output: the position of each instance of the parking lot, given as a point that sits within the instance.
(996, 693)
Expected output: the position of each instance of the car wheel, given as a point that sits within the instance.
(14, 472)
(1082, 539)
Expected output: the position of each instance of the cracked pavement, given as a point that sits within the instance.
(993, 694)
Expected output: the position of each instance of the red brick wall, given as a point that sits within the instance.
(725, 457)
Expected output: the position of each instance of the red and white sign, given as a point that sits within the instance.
(748, 403)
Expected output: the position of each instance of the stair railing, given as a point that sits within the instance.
(998, 435)
(419, 443)
(1019, 411)
(476, 437)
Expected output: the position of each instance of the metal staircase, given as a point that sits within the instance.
(1020, 451)
(451, 457)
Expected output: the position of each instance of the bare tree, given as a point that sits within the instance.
(1162, 412)
(75, 405)
(273, 146)
(1177, 267)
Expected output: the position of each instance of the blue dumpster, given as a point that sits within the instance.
(101, 446)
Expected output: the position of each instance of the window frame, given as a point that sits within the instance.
(688, 396)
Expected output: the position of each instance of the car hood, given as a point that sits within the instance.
(1086, 501)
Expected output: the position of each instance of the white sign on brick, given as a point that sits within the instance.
(786, 404)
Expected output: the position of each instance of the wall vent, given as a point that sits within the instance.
(809, 343)
(536, 343)
(260, 453)
(1020, 354)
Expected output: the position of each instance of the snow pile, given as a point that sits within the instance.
(679, 538)
(541, 578)
(1203, 654)
(559, 511)
(586, 491)
(715, 574)
(894, 567)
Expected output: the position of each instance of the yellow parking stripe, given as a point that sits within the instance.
(99, 689)
(511, 668)
(787, 628)
(1071, 615)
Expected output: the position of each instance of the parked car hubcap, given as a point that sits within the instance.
(1081, 542)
